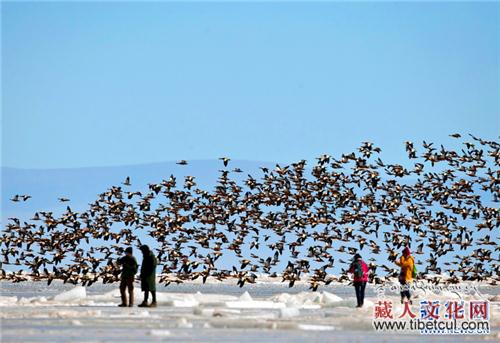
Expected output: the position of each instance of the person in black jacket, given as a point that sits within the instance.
(129, 269)
(148, 276)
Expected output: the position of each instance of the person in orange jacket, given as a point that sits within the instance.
(407, 263)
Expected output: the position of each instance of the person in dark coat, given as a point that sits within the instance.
(148, 276)
(129, 269)
(360, 271)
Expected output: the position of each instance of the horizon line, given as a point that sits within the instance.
(133, 164)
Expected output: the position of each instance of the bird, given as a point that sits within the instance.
(288, 222)
(17, 198)
(225, 160)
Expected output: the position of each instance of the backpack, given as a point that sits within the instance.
(358, 270)
(414, 273)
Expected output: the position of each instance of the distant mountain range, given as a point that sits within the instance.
(82, 185)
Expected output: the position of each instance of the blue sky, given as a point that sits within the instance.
(98, 84)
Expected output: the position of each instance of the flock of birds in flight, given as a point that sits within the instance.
(286, 224)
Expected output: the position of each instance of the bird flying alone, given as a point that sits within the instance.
(127, 181)
(225, 160)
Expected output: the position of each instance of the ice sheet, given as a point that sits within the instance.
(198, 312)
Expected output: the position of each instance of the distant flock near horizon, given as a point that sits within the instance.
(311, 223)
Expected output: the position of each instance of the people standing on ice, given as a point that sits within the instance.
(148, 276)
(407, 264)
(129, 269)
(359, 269)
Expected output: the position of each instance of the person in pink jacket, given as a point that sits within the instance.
(359, 269)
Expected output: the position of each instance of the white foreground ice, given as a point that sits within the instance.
(83, 314)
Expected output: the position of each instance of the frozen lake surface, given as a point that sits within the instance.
(213, 312)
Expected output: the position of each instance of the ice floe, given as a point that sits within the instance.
(7, 301)
(315, 327)
(289, 312)
(76, 293)
(159, 333)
